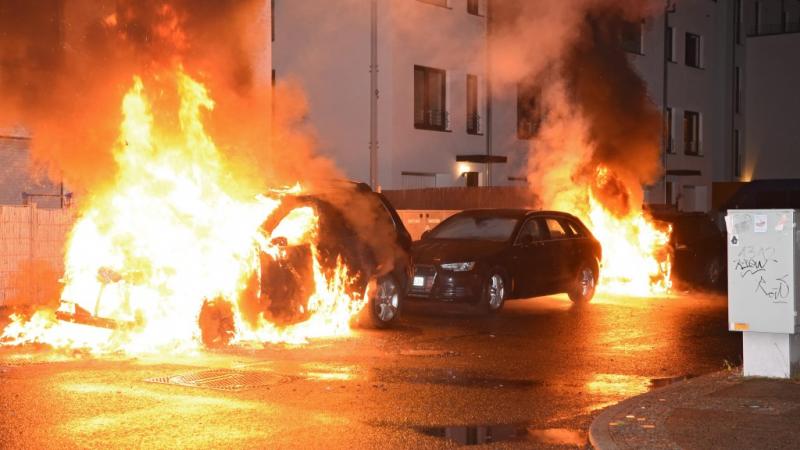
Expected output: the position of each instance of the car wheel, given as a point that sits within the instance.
(584, 285)
(493, 295)
(384, 305)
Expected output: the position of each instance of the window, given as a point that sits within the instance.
(272, 19)
(473, 7)
(737, 156)
(737, 89)
(473, 117)
(465, 226)
(530, 228)
(668, 192)
(668, 133)
(631, 37)
(574, 228)
(529, 110)
(693, 48)
(430, 98)
(670, 45)
(556, 229)
(691, 133)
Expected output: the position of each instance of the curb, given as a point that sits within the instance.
(599, 435)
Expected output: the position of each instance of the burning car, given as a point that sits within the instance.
(697, 246)
(355, 228)
(491, 255)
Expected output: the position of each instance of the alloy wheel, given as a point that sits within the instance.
(497, 291)
(586, 281)
(387, 300)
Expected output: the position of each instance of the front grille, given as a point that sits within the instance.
(426, 274)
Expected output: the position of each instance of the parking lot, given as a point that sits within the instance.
(534, 375)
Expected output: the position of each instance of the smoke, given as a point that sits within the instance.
(596, 125)
(64, 67)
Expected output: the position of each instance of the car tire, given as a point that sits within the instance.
(493, 293)
(585, 283)
(384, 305)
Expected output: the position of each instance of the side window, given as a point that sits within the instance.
(556, 229)
(576, 230)
(530, 228)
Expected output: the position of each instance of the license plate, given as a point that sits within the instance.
(419, 281)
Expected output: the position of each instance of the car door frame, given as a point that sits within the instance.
(529, 264)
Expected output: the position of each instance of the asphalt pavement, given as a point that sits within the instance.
(534, 376)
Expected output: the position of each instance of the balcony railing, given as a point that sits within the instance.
(692, 148)
(433, 119)
(473, 124)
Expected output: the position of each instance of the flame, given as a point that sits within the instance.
(636, 257)
(175, 230)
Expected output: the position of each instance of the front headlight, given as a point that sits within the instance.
(459, 267)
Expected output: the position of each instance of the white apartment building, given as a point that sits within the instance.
(770, 146)
(427, 127)
(722, 72)
(686, 57)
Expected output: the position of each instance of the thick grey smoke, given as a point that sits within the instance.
(594, 107)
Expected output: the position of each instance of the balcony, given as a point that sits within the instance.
(432, 119)
(473, 124)
(692, 148)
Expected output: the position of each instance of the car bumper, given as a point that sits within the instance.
(429, 282)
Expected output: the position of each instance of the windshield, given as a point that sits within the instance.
(469, 227)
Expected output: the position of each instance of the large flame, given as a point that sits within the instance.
(174, 230)
(636, 256)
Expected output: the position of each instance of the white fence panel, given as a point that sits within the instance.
(32, 245)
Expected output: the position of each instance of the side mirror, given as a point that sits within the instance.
(526, 240)
(425, 234)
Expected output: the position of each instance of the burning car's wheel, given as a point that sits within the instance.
(384, 305)
(584, 285)
(493, 295)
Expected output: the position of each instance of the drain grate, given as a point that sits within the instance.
(222, 379)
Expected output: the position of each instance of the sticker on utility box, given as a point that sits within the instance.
(760, 223)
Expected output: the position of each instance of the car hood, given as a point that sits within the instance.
(437, 251)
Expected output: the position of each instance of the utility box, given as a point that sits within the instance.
(762, 289)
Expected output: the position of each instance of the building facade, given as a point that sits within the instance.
(770, 145)
(720, 71)
(430, 65)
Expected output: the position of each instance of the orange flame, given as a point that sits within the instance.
(636, 257)
(174, 230)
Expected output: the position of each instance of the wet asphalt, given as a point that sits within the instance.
(533, 376)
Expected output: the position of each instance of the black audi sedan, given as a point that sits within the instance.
(487, 256)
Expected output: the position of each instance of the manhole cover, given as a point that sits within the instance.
(222, 379)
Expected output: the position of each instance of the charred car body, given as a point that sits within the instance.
(356, 228)
(489, 256)
(287, 281)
